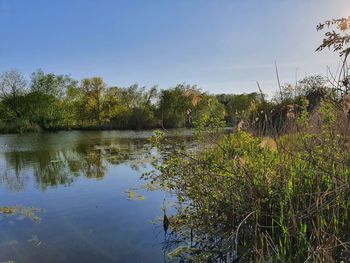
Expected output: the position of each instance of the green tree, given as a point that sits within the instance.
(144, 113)
(46, 100)
(72, 102)
(315, 89)
(175, 106)
(237, 106)
(131, 107)
(93, 90)
(50, 84)
(12, 91)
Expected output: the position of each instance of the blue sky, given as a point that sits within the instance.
(222, 46)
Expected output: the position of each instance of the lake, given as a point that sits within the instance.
(77, 197)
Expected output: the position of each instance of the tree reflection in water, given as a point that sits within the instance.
(55, 166)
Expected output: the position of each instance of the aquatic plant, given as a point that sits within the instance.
(133, 195)
(21, 212)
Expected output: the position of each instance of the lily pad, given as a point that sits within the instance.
(141, 197)
(133, 195)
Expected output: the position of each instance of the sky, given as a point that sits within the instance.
(222, 46)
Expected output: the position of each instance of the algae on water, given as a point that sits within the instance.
(21, 212)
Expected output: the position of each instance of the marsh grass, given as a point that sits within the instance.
(19, 126)
(255, 199)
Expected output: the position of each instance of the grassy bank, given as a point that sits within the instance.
(245, 198)
(19, 126)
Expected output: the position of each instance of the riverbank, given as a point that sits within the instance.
(24, 127)
(246, 199)
(18, 128)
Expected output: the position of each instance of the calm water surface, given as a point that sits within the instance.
(79, 180)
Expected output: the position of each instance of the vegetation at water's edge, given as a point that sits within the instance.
(56, 102)
(246, 198)
(50, 102)
(243, 196)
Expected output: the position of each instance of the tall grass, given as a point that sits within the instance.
(245, 199)
(19, 126)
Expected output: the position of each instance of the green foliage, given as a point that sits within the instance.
(59, 102)
(242, 198)
(45, 103)
(19, 126)
(278, 116)
(185, 105)
(91, 108)
(237, 107)
(12, 90)
(208, 108)
(175, 107)
(51, 84)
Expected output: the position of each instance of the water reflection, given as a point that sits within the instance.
(92, 220)
(87, 156)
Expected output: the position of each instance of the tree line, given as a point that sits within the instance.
(49, 101)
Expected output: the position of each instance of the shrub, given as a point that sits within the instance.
(242, 200)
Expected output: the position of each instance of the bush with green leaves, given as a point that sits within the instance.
(243, 198)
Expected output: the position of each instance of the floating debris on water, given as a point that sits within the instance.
(21, 212)
(133, 195)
